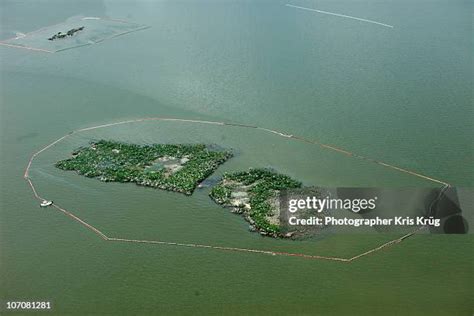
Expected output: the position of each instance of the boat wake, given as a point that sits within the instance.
(339, 15)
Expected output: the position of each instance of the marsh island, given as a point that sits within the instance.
(60, 35)
(255, 195)
(173, 167)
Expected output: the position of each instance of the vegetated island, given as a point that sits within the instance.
(255, 195)
(172, 167)
(60, 35)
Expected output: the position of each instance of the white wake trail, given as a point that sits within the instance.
(340, 15)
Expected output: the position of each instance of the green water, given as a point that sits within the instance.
(400, 95)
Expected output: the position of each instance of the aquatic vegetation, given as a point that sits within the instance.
(182, 167)
(254, 193)
(60, 35)
(173, 167)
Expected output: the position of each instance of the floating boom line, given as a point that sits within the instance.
(222, 248)
(26, 47)
(339, 15)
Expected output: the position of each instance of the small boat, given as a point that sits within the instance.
(46, 203)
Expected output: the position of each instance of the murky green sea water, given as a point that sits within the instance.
(401, 95)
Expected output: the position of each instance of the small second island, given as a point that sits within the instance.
(255, 194)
